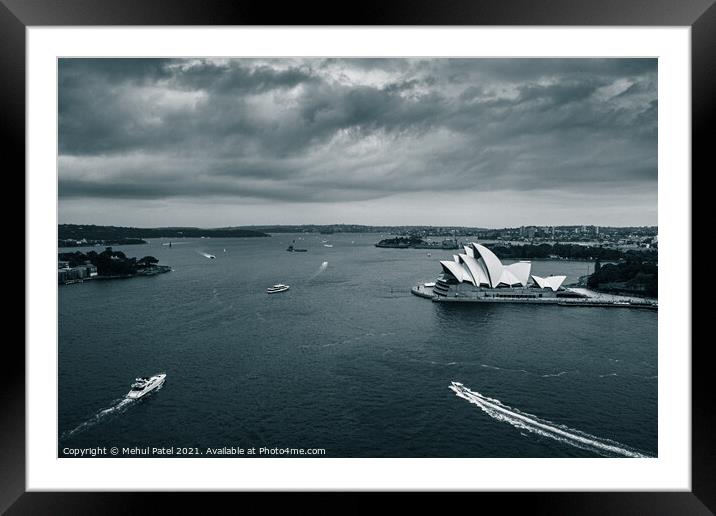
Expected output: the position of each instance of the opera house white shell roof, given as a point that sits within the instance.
(553, 282)
(480, 267)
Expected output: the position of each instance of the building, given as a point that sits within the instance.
(67, 274)
(479, 275)
(90, 270)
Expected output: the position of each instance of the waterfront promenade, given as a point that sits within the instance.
(591, 299)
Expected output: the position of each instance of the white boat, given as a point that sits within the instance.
(327, 245)
(279, 287)
(143, 385)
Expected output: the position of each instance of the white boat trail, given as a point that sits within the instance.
(322, 268)
(118, 407)
(488, 366)
(554, 375)
(531, 423)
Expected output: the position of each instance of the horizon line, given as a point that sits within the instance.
(365, 225)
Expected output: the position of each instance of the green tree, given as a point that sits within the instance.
(147, 261)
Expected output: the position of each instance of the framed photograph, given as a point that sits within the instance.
(410, 251)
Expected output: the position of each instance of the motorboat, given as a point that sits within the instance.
(144, 385)
(292, 249)
(279, 287)
(327, 245)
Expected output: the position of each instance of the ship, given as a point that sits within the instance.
(144, 385)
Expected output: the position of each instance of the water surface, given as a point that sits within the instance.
(347, 360)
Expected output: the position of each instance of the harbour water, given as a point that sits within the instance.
(347, 360)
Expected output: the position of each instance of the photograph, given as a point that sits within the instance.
(357, 257)
(409, 248)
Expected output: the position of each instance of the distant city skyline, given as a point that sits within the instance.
(491, 143)
(583, 227)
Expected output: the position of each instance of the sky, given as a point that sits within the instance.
(382, 141)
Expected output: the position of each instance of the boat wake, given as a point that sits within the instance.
(555, 375)
(488, 366)
(523, 421)
(322, 268)
(118, 407)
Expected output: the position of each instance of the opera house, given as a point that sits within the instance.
(479, 275)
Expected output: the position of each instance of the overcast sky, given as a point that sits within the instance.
(471, 142)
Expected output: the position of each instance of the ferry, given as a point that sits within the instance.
(279, 287)
(143, 385)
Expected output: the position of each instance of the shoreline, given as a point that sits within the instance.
(160, 269)
(425, 292)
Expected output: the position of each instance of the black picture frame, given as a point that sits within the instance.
(16, 15)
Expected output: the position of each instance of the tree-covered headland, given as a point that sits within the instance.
(114, 263)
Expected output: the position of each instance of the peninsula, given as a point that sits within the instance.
(414, 242)
(109, 264)
(75, 235)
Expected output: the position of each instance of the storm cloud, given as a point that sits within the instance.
(324, 133)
